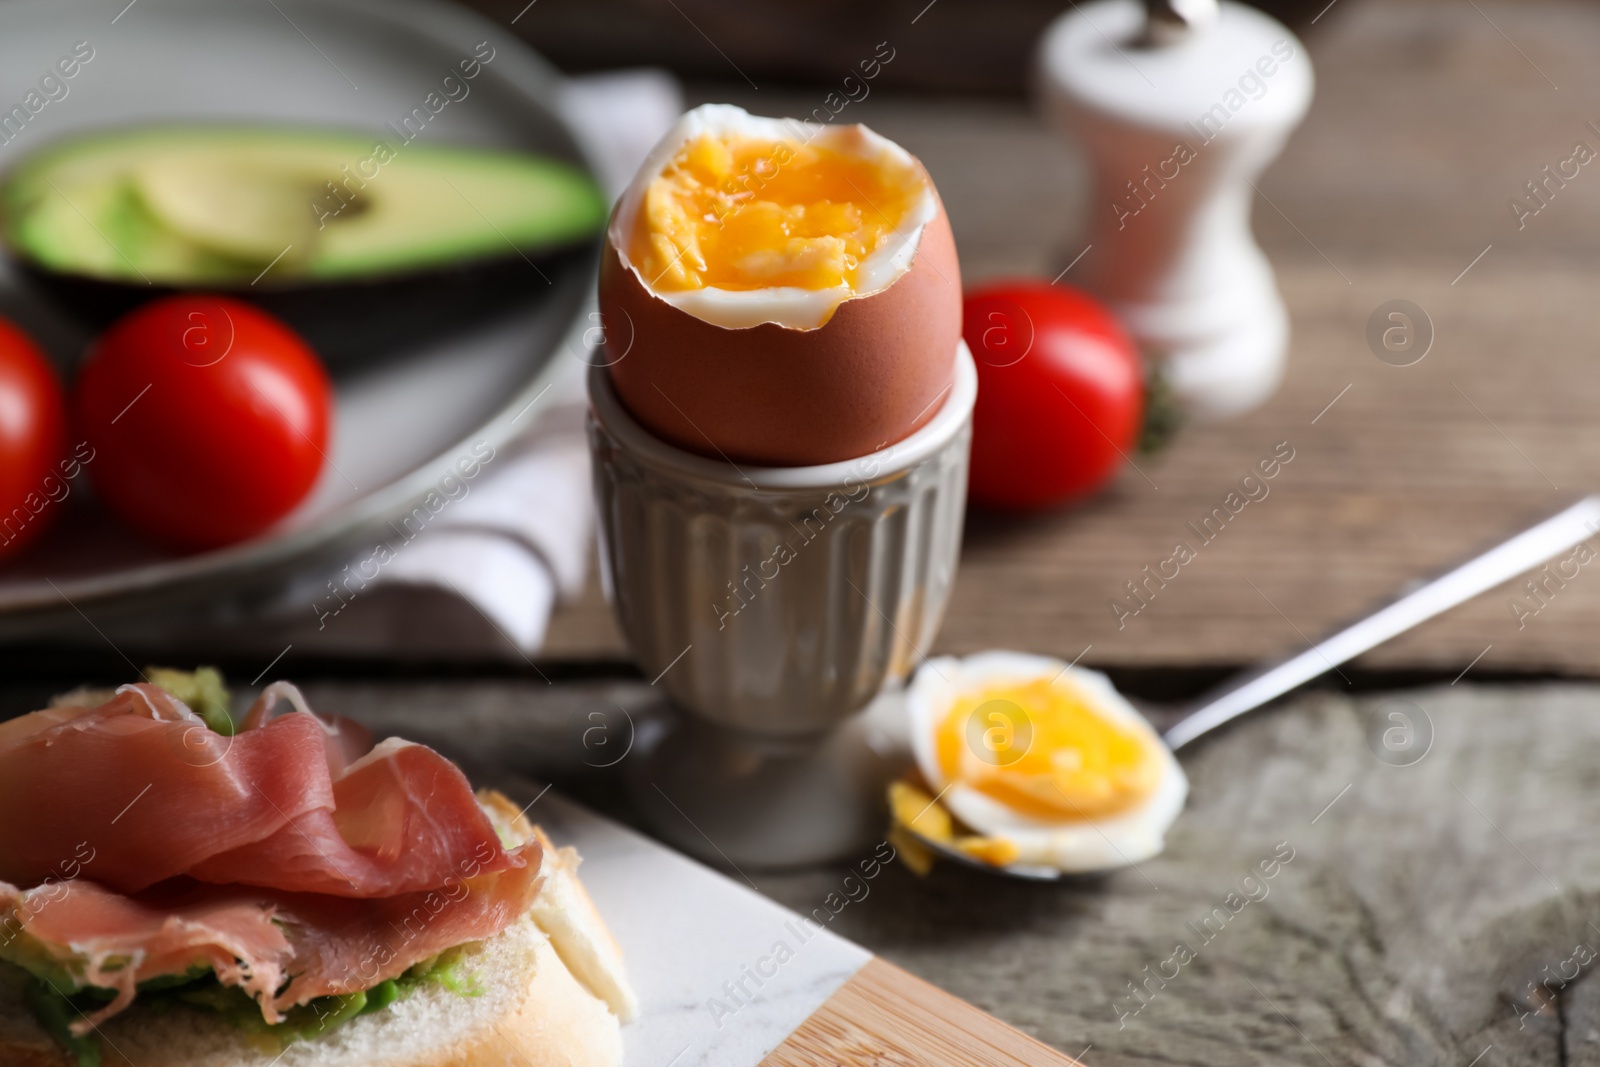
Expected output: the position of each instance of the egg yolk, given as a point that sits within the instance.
(745, 213)
(914, 808)
(1040, 748)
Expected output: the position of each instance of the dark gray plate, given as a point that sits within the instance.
(402, 420)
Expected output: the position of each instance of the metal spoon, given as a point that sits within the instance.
(1253, 689)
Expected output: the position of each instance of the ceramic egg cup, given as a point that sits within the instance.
(773, 605)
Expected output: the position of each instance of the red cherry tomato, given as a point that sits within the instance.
(32, 440)
(1060, 394)
(209, 419)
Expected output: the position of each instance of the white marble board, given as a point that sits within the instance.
(686, 930)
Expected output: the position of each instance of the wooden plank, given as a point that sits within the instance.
(1426, 122)
(886, 1017)
(963, 45)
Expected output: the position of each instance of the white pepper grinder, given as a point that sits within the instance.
(1180, 105)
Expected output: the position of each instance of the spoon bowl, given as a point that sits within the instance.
(1023, 871)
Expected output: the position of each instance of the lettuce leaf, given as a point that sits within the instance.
(202, 689)
(55, 1005)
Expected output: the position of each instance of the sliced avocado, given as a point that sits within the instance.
(102, 231)
(202, 689)
(213, 206)
(56, 1014)
(251, 213)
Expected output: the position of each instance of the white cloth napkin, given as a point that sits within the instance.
(521, 540)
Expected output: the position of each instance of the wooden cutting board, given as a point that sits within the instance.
(885, 1016)
(726, 977)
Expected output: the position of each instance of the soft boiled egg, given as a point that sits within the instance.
(1049, 765)
(779, 292)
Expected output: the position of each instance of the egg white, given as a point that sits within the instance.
(1077, 846)
(787, 306)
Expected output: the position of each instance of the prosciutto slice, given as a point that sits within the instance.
(291, 802)
(294, 859)
(108, 940)
(343, 945)
(257, 938)
(403, 819)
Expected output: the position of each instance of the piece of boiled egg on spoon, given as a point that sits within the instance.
(1047, 768)
(994, 735)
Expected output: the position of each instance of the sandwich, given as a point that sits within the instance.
(177, 890)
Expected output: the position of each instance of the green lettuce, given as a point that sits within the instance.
(202, 689)
(56, 1000)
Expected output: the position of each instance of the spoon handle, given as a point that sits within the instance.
(1501, 563)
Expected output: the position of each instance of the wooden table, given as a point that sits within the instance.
(1428, 117)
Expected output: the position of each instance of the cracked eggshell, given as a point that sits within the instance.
(768, 394)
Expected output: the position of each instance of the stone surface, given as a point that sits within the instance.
(1420, 903)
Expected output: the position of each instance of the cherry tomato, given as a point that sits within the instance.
(209, 419)
(32, 440)
(1060, 394)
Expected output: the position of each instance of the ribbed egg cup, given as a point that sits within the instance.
(773, 605)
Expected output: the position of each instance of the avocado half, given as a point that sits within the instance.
(359, 241)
